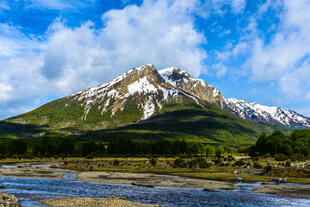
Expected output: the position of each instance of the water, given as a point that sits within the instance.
(31, 190)
(39, 165)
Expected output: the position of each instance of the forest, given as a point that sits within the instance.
(279, 145)
(294, 146)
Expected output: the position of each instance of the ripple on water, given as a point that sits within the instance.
(30, 190)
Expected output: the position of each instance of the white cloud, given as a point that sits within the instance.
(69, 59)
(240, 48)
(4, 5)
(220, 69)
(269, 4)
(282, 59)
(57, 4)
(238, 6)
(5, 90)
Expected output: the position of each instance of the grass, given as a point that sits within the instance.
(163, 167)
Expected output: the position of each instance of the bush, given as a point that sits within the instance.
(297, 157)
(89, 157)
(256, 165)
(288, 164)
(153, 161)
(217, 161)
(179, 163)
(198, 163)
(209, 150)
(116, 163)
(267, 168)
(230, 158)
(267, 155)
(239, 163)
(280, 157)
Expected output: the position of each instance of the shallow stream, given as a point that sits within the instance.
(31, 190)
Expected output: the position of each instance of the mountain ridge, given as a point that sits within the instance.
(150, 89)
(257, 112)
(145, 103)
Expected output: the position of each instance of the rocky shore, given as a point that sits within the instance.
(34, 172)
(152, 180)
(94, 202)
(285, 190)
(8, 200)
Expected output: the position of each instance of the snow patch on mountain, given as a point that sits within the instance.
(141, 86)
(144, 84)
(268, 114)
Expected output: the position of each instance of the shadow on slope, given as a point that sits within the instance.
(209, 123)
(9, 130)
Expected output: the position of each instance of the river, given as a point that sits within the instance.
(30, 190)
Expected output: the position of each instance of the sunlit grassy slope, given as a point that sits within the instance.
(65, 116)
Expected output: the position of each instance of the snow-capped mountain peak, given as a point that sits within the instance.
(150, 89)
(198, 87)
(145, 87)
(268, 114)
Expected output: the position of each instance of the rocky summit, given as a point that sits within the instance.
(149, 89)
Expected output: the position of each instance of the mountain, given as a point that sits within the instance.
(197, 87)
(267, 114)
(143, 103)
(133, 96)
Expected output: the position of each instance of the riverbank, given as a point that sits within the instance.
(285, 190)
(141, 172)
(94, 202)
(31, 172)
(153, 180)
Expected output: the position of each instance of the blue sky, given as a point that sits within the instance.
(252, 50)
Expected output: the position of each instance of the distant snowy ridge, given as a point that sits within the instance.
(273, 115)
(150, 89)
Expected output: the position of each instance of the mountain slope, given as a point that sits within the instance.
(197, 87)
(261, 113)
(133, 96)
(144, 103)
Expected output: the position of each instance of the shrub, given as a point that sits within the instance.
(267, 168)
(217, 161)
(219, 152)
(239, 163)
(89, 157)
(198, 163)
(230, 158)
(116, 163)
(153, 161)
(297, 157)
(267, 155)
(209, 150)
(179, 163)
(280, 157)
(257, 165)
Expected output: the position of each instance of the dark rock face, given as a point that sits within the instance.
(197, 87)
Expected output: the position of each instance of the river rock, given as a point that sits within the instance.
(8, 200)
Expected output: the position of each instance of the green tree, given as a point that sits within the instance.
(219, 152)
(209, 150)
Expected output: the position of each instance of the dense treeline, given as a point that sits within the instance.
(295, 146)
(280, 145)
(123, 147)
